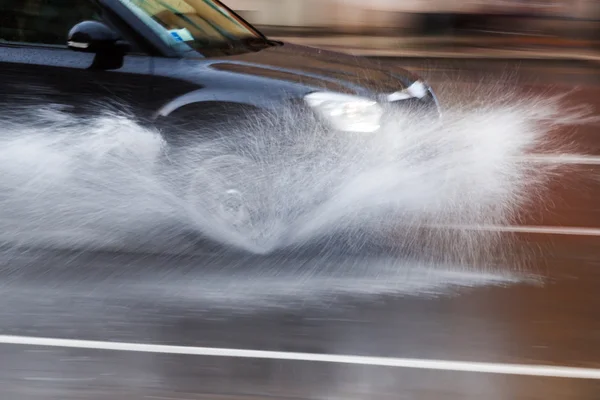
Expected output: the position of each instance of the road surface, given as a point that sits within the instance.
(226, 326)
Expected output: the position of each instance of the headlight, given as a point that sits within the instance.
(345, 112)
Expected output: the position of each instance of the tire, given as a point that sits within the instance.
(215, 180)
(219, 191)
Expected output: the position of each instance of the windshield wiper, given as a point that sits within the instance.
(232, 47)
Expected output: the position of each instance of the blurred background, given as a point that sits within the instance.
(428, 25)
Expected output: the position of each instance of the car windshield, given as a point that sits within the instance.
(194, 24)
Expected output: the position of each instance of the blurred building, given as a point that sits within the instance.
(359, 16)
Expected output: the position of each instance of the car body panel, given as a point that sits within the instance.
(305, 64)
(34, 77)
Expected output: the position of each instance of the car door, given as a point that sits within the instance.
(38, 69)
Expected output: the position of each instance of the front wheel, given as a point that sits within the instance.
(226, 190)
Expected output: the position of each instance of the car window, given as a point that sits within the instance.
(45, 22)
(195, 24)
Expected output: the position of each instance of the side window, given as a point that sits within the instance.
(44, 22)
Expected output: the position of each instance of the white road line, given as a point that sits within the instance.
(439, 365)
(548, 230)
(562, 159)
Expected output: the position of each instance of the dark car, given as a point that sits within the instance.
(185, 58)
(185, 61)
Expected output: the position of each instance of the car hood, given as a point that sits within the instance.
(317, 68)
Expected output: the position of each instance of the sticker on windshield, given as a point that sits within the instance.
(181, 35)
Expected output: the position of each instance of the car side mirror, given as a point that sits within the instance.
(95, 37)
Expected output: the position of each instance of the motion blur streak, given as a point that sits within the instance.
(109, 183)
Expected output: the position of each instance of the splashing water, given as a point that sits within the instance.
(274, 182)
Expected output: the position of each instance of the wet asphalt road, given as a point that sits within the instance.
(533, 301)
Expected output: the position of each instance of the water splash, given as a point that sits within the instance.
(275, 182)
